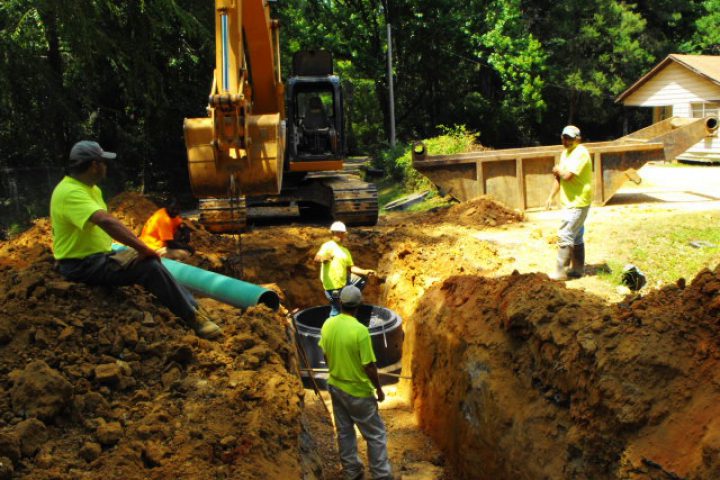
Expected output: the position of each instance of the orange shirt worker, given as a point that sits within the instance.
(163, 231)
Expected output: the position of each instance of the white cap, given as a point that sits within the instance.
(351, 296)
(571, 131)
(338, 227)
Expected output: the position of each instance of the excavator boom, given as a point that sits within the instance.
(239, 148)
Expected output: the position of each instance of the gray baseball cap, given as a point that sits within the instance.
(86, 151)
(351, 296)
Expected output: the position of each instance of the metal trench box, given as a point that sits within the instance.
(521, 178)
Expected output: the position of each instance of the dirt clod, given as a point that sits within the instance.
(40, 391)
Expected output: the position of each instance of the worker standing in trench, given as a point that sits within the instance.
(573, 179)
(83, 232)
(353, 383)
(337, 268)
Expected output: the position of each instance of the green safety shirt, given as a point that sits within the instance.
(576, 192)
(71, 206)
(348, 348)
(334, 273)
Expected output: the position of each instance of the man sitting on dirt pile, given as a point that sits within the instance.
(337, 268)
(353, 382)
(573, 179)
(166, 233)
(83, 232)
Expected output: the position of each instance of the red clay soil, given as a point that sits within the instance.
(514, 377)
(105, 383)
(106, 380)
(481, 212)
(521, 378)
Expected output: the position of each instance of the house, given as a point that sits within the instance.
(682, 86)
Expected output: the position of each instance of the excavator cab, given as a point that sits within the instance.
(314, 114)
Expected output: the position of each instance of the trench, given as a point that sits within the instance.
(518, 377)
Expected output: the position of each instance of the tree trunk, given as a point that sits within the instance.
(48, 16)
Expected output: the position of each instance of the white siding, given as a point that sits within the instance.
(682, 110)
(674, 85)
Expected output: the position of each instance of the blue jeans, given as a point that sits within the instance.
(333, 296)
(100, 269)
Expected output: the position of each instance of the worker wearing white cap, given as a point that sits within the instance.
(573, 179)
(337, 268)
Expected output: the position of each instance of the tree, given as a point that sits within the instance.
(706, 38)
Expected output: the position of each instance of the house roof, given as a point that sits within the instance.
(707, 66)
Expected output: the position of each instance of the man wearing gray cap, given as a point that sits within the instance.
(573, 179)
(353, 383)
(83, 232)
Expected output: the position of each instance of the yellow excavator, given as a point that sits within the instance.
(261, 147)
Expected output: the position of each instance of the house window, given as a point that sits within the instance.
(704, 109)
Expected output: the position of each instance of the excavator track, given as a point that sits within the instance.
(223, 215)
(354, 202)
(344, 196)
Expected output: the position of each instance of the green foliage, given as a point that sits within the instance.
(397, 162)
(516, 55)
(706, 39)
(126, 73)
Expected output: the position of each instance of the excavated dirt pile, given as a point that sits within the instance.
(480, 212)
(101, 380)
(106, 383)
(521, 378)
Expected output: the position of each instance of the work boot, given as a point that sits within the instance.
(204, 327)
(578, 261)
(563, 260)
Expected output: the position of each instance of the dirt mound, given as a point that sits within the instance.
(519, 377)
(482, 212)
(133, 209)
(98, 380)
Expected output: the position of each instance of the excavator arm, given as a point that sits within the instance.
(238, 149)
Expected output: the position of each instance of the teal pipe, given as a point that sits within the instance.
(217, 286)
(220, 287)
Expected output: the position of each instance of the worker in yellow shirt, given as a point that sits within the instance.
(337, 268)
(355, 389)
(573, 179)
(83, 232)
(165, 233)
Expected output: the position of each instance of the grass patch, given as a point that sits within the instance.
(662, 248)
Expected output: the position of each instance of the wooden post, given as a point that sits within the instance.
(480, 177)
(599, 194)
(521, 182)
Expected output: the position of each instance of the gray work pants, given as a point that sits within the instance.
(100, 269)
(572, 227)
(349, 411)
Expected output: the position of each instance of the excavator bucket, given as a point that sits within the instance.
(256, 170)
(262, 170)
(206, 179)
